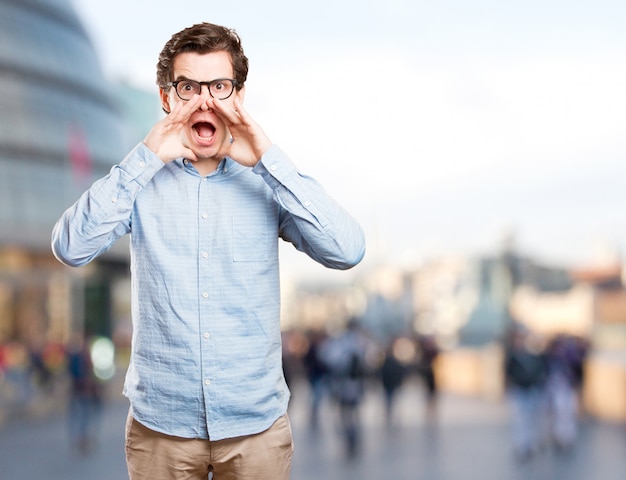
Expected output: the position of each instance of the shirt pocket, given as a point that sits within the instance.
(251, 238)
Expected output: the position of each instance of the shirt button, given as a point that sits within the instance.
(273, 168)
(205, 255)
(114, 200)
(207, 335)
(142, 164)
(207, 382)
(205, 294)
(205, 215)
(307, 203)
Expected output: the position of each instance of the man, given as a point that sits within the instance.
(525, 371)
(345, 356)
(85, 393)
(205, 198)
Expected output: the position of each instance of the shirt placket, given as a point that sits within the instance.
(206, 230)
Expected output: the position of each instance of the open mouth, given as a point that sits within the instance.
(204, 130)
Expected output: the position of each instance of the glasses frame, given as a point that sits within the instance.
(208, 84)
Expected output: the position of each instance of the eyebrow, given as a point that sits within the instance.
(183, 77)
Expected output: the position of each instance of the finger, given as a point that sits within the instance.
(183, 110)
(238, 106)
(226, 112)
(242, 115)
(238, 111)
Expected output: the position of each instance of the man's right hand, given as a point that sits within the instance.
(165, 138)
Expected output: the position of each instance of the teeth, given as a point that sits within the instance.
(204, 130)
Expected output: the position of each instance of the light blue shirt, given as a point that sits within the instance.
(206, 347)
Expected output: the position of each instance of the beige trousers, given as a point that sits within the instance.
(155, 456)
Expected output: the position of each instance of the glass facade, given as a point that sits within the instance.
(60, 123)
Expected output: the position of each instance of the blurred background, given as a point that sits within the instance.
(480, 144)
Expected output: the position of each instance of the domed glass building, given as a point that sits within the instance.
(60, 129)
(60, 126)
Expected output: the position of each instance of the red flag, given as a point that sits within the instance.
(80, 159)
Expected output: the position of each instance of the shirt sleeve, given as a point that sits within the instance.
(102, 214)
(311, 219)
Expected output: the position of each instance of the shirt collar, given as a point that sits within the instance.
(224, 166)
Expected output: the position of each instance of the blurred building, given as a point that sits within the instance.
(63, 125)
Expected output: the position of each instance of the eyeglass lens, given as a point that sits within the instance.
(219, 89)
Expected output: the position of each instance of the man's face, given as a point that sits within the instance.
(205, 133)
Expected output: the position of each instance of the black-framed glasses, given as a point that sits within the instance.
(220, 88)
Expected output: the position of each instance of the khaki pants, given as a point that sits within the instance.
(155, 456)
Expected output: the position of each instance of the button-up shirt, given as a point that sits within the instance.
(206, 345)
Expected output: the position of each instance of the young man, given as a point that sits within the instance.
(205, 198)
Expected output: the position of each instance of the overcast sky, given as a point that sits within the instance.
(439, 125)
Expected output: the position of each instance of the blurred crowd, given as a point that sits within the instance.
(341, 367)
(542, 381)
(38, 378)
(28, 371)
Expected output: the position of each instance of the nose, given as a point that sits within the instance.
(204, 90)
(206, 96)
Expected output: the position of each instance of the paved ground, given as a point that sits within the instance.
(469, 441)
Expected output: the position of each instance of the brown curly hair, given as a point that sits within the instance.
(202, 38)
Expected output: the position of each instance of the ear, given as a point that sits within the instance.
(165, 100)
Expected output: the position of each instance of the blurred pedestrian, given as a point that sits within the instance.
(205, 198)
(392, 373)
(85, 395)
(317, 375)
(428, 353)
(563, 380)
(346, 358)
(40, 373)
(526, 371)
(289, 359)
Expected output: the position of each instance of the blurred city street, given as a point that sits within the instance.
(479, 147)
(470, 440)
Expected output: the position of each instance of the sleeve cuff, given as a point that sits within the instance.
(141, 164)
